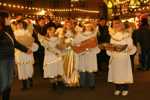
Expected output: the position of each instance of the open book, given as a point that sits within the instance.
(113, 47)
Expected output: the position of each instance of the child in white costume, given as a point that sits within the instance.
(67, 34)
(120, 70)
(24, 61)
(86, 62)
(53, 63)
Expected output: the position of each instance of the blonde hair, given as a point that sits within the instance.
(88, 24)
(72, 27)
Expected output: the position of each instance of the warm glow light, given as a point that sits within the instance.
(42, 12)
(62, 22)
(4, 4)
(110, 4)
(79, 19)
(18, 6)
(14, 6)
(9, 5)
(74, 0)
(29, 8)
(22, 7)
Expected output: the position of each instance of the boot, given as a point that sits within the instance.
(30, 82)
(54, 86)
(60, 84)
(24, 85)
(6, 94)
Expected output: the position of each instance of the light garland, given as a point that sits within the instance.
(47, 9)
(122, 2)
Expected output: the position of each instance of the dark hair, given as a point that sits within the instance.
(103, 18)
(3, 15)
(49, 28)
(127, 24)
(23, 23)
(144, 22)
(115, 18)
(39, 19)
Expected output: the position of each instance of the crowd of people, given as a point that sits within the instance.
(43, 43)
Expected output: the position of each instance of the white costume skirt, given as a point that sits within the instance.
(120, 70)
(24, 65)
(53, 65)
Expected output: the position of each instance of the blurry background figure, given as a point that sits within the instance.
(141, 36)
(39, 28)
(130, 28)
(103, 37)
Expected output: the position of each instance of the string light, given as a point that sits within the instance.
(22, 7)
(18, 6)
(48, 9)
(4, 4)
(122, 2)
(68, 10)
(9, 5)
(14, 6)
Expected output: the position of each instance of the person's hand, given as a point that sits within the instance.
(29, 51)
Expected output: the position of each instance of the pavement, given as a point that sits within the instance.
(103, 91)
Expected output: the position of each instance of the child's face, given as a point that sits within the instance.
(41, 22)
(68, 25)
(103, 22)
(19, 26)
(51, 32)
(88, 27)
(118, 25)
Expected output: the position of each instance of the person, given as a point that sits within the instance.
(141, 36)
(24, 61)
(67, 34)
(8, 44)
(120, 69)
(103, 37)
(39, 28)
(86, 61)
(53, 62)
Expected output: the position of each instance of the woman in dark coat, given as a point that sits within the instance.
(7, 45)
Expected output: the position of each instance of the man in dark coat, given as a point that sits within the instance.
(8, 44)
(103, 37)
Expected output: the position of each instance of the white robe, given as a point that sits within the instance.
(24, 61)
(53, 64)
(86, 61)
(120, 70)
